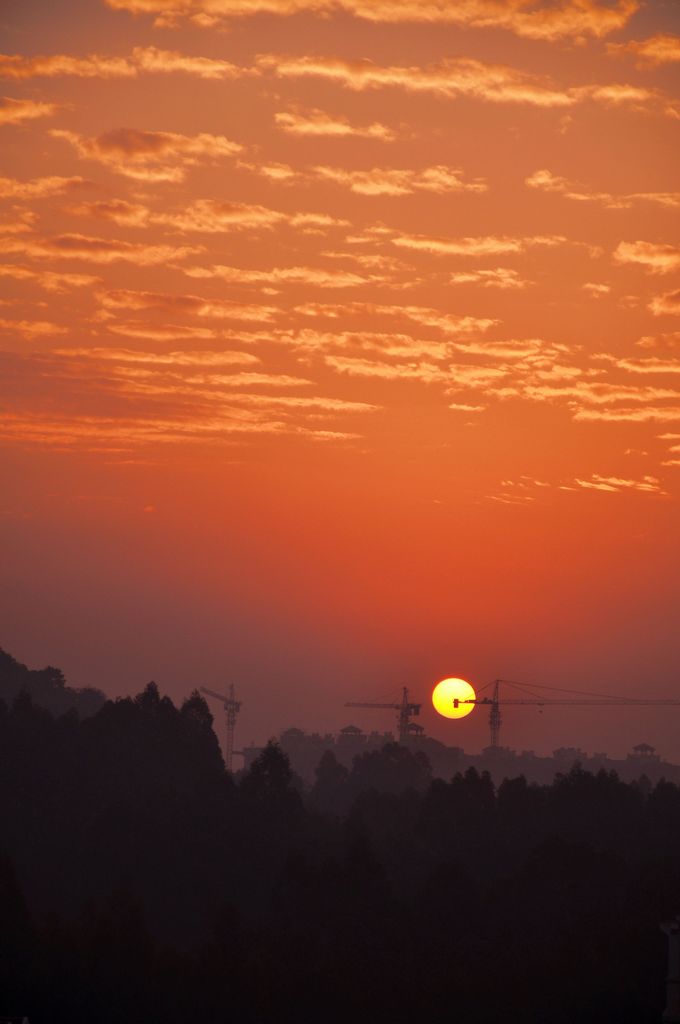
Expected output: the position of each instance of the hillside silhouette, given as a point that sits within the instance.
(140, 881)
(47, 688)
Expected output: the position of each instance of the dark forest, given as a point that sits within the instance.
(140, 881)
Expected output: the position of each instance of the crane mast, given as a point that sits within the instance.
(405, 709)
(231, 709)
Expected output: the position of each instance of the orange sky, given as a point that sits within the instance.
(340, 350)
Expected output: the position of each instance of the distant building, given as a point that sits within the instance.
(305, 750)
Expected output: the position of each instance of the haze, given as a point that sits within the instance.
(340, 352)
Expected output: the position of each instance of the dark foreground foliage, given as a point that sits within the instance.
(139, 882)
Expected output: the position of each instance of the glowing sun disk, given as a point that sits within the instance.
(448, 695)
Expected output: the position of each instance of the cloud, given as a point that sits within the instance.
(629, 414)
(31, 329)
(657, 258)
(176, 360)
(38, 188)
(150, 155)
(169, 397)
(395, 182)
(448, 323)
(209, 216)
(16, 111)
(315, 276)
(95, 250)
(652, 365)
(147, 59)
(48, 279)
(467, 78)
(618, 485)
(421, 372)
(118, 435)
(190, 305)
(315, 122)
(155, 61)
(669, 342)
(164, 332)
(597, 290)
(658, 49)
(565, 20)
(546, 181)
(667, 304)
(463, 77)
(500, 277)
(490, 245)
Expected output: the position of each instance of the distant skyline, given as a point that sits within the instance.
(339, 352)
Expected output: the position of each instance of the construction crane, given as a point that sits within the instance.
(406, 710)
(602, 700)
(231, 710)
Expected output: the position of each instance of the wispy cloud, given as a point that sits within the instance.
(448, 323)
(95, 250)
(190, 305)
(541, 20)
(149, 155)
(490, 245)
(14, 111)
(656, 258)
(48, 279)
(466, 78)
(207, 216)
(546, 181)
(38, 188)
(147, 59)
(667, 304)
(314, 122)
(316, 276)
(499, 277)
(658, 49)
(380, 181)
(31, 329)
(463, 77)
(667, 342)
(617, 485)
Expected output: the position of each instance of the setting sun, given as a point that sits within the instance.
(448, 693)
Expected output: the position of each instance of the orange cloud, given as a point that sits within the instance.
(286, 275)
(669, 341)
(149, 155)
(209, 216)
(666, 305)
(475, 247)
(657, 258)
(448, 323)
(155, 61)
(658, 49)
(546, 181)
(31, 328)
(95, 250)
(319, 123)
(452, 78)
(48, 279)
(499, 277)
(178, 360)
(395, 182)
(464, 78)
(38, 188)
(568, 19)
(15, 111)
(147, 59)
(616, 485)
(192, 305)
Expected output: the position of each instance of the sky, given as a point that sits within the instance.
(340, 352)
